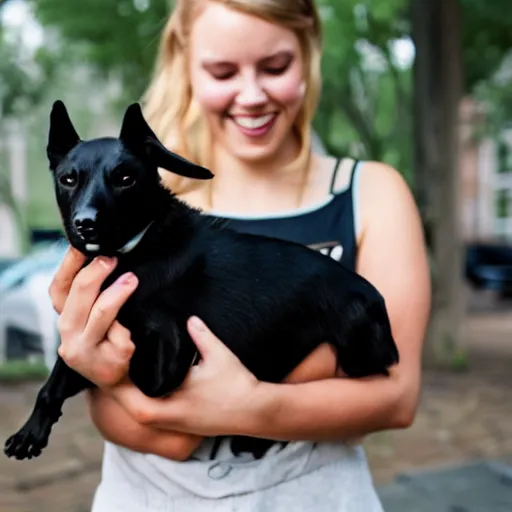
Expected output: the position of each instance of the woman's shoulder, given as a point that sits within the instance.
(382, 184)
(386, 199)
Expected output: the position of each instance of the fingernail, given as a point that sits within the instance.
(197, 324)
(128, 279)
(105, 262)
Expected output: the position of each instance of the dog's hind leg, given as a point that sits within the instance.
(364, 344)
(163, 355)
(33, 437)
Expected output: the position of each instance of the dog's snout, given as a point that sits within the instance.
(85, 223)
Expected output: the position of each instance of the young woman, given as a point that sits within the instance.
(235, 90)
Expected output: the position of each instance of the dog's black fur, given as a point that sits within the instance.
(271, 302)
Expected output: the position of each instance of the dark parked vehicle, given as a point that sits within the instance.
(489, 267)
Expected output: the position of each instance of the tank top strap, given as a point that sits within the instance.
(334, 176)
(346, 161)
(353, 174)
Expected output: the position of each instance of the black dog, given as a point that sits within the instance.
(271, 302)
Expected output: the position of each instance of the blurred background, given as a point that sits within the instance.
(425, 85)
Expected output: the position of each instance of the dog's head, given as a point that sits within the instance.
(108, 190)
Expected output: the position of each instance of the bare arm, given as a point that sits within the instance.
(118, 426)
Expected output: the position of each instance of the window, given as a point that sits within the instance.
(502, 203)
(504, 156)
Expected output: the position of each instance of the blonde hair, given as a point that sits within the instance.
(168, 103)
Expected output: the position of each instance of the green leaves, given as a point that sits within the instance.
(119, 37)
(486, 37)
(365, 108)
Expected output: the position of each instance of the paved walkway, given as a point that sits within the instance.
(462, 417)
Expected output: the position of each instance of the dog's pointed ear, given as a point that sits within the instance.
(138, 136)
(62, 137)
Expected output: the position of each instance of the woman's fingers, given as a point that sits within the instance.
(208, 345)
(63, 279)
(107, 306)
(83, 294)
(121, 340)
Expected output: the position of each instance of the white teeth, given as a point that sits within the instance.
(92, 247)
(253, 123)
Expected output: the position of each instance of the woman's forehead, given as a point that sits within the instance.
(220, 33)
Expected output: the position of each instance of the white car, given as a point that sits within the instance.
(27, 318)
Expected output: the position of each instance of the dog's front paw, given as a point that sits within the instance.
(30, 440)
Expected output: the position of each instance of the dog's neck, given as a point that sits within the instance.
(170, 215)
(131, 244)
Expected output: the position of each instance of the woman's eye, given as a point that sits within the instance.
(277, 65)
(69, 180)
(223, 76)
(276, 71)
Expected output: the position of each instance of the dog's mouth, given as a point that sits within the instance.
(108, 246)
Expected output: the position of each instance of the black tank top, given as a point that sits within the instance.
(329, 227)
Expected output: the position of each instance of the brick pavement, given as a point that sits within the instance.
(461, 417)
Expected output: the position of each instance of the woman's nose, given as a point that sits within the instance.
(251, 94)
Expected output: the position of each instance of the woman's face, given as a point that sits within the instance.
(247, 76)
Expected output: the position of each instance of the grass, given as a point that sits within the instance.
(22, 370)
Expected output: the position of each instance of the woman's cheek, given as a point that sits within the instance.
(287, 90)
(214, 96)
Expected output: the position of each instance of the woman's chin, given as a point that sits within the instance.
(256, 154)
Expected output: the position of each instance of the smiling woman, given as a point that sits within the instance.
(276, 83)
(235, 89)
(267, 84)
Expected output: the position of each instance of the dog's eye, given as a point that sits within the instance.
(124, 180)
(69, 180)
(127, 180)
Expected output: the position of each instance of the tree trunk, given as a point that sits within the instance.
(437, 96)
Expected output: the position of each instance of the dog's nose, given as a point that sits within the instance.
(85, 224)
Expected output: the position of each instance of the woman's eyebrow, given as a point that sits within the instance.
(219, 62)
(212, 61)
(284, 55)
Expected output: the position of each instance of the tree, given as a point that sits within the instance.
(438, 89)
(460, 46)
(119, 37)
(487, 43)
(24, 80)
(486, 38)
(495, 94)
(366, 93)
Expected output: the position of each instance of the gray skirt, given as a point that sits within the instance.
(302, 476)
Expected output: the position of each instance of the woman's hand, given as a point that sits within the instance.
(218, 395)
(93, 343)
(100, 349)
